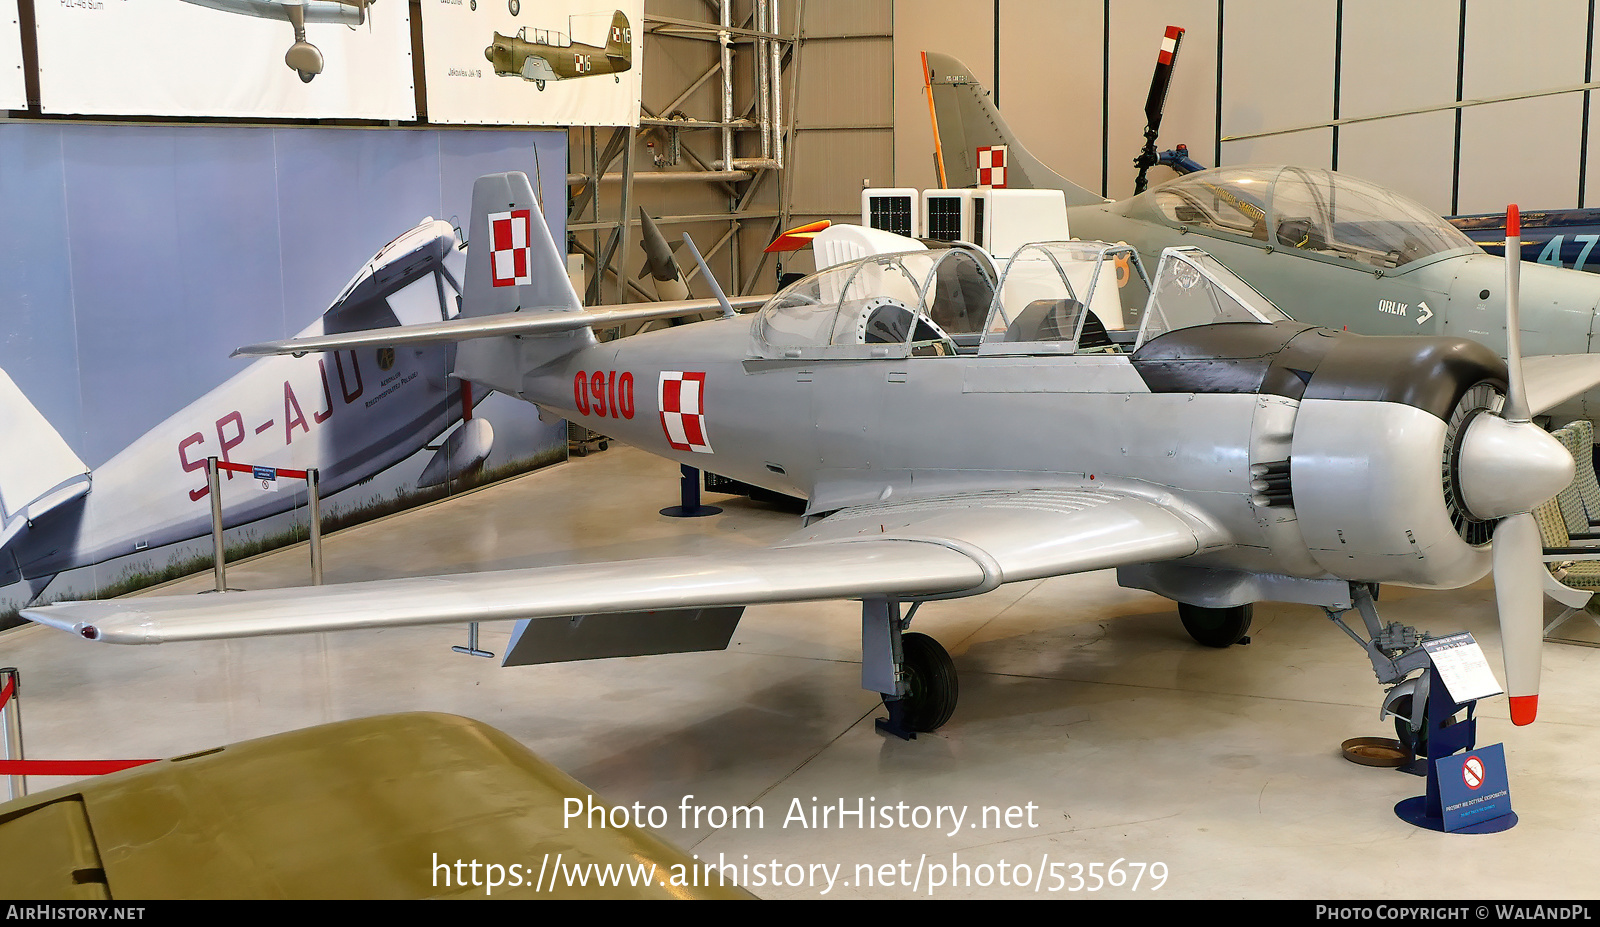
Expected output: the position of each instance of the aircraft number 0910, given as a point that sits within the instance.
(603, 393)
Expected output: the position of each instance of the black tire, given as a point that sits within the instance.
(515, 6)
(1415, 741)
(305, 76)
(539, 84)
(1216, 627)
(931, 685)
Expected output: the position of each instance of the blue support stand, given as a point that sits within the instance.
(689, 488)
(1445, 739)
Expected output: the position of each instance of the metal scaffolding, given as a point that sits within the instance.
(749, 66)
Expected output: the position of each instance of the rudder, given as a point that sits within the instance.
(968, 119)
(513, 265)
(619, 41)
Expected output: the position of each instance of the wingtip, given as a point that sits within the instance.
(1524, 708)
(1513, 221)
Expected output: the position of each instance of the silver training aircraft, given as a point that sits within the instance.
(1224, 455)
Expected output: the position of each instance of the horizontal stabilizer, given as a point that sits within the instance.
(491, 326)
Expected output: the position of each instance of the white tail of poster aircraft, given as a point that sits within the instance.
(302, 57)
(1334, 250)
(1225, 457)
(350, 414)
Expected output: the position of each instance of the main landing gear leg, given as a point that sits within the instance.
(1396, 653)
(915, 675)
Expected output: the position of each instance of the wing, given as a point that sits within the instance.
(946, 546)
(1554, 378)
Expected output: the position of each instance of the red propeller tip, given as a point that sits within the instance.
(1513, 221)
(1524, 708)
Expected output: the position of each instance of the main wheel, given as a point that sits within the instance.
(306, 76)
(514, 6)
(1216, 627)
(931, 686)
(1415, 741)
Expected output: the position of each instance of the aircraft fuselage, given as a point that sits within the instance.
(863, 431)
(1461, 295)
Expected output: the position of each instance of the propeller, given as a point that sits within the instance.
(1155, 104)
(1508, 465)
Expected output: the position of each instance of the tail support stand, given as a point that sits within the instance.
(689, 493)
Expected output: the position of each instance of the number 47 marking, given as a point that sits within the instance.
(1552, 251)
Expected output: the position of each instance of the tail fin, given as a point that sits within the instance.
(619, 42)
(967, 120)
(38, 471)
(513, 265)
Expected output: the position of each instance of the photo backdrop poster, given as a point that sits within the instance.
(134, 259)
(13, 95)
(521, 62)
(265, 58)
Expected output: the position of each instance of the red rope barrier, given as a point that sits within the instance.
(5, 694)
(250, 468)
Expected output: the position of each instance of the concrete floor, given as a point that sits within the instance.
(1132, 744)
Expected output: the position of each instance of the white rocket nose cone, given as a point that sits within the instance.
(1510, 467)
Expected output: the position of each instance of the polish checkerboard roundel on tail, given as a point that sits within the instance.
(992, 166)
(513, 264)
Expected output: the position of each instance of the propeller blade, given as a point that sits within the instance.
(1516, 407)
(1155, 104)
(1519, 594)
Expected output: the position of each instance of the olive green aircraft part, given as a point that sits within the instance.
(379, 807)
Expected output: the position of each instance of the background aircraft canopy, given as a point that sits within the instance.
(1192, 289)
(1044, 290)
(885, 305)
(1318, 212)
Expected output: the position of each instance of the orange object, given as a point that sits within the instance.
(798, 237)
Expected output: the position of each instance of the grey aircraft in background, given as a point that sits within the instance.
(1333, 250)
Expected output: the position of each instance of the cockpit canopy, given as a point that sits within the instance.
(886, 305)
(1061, 297)
(1191, 289)
(1319, 213)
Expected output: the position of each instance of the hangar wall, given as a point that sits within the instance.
(1073, 74)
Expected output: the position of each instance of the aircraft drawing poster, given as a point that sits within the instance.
(12, 93)
(517, 62)
(317, 59)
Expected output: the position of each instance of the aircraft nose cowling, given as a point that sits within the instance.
(1510, 467)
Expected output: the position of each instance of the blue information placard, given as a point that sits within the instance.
(1473, 787)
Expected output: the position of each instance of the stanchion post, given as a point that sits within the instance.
(11, 728)
(315, 497)
(215, 485)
